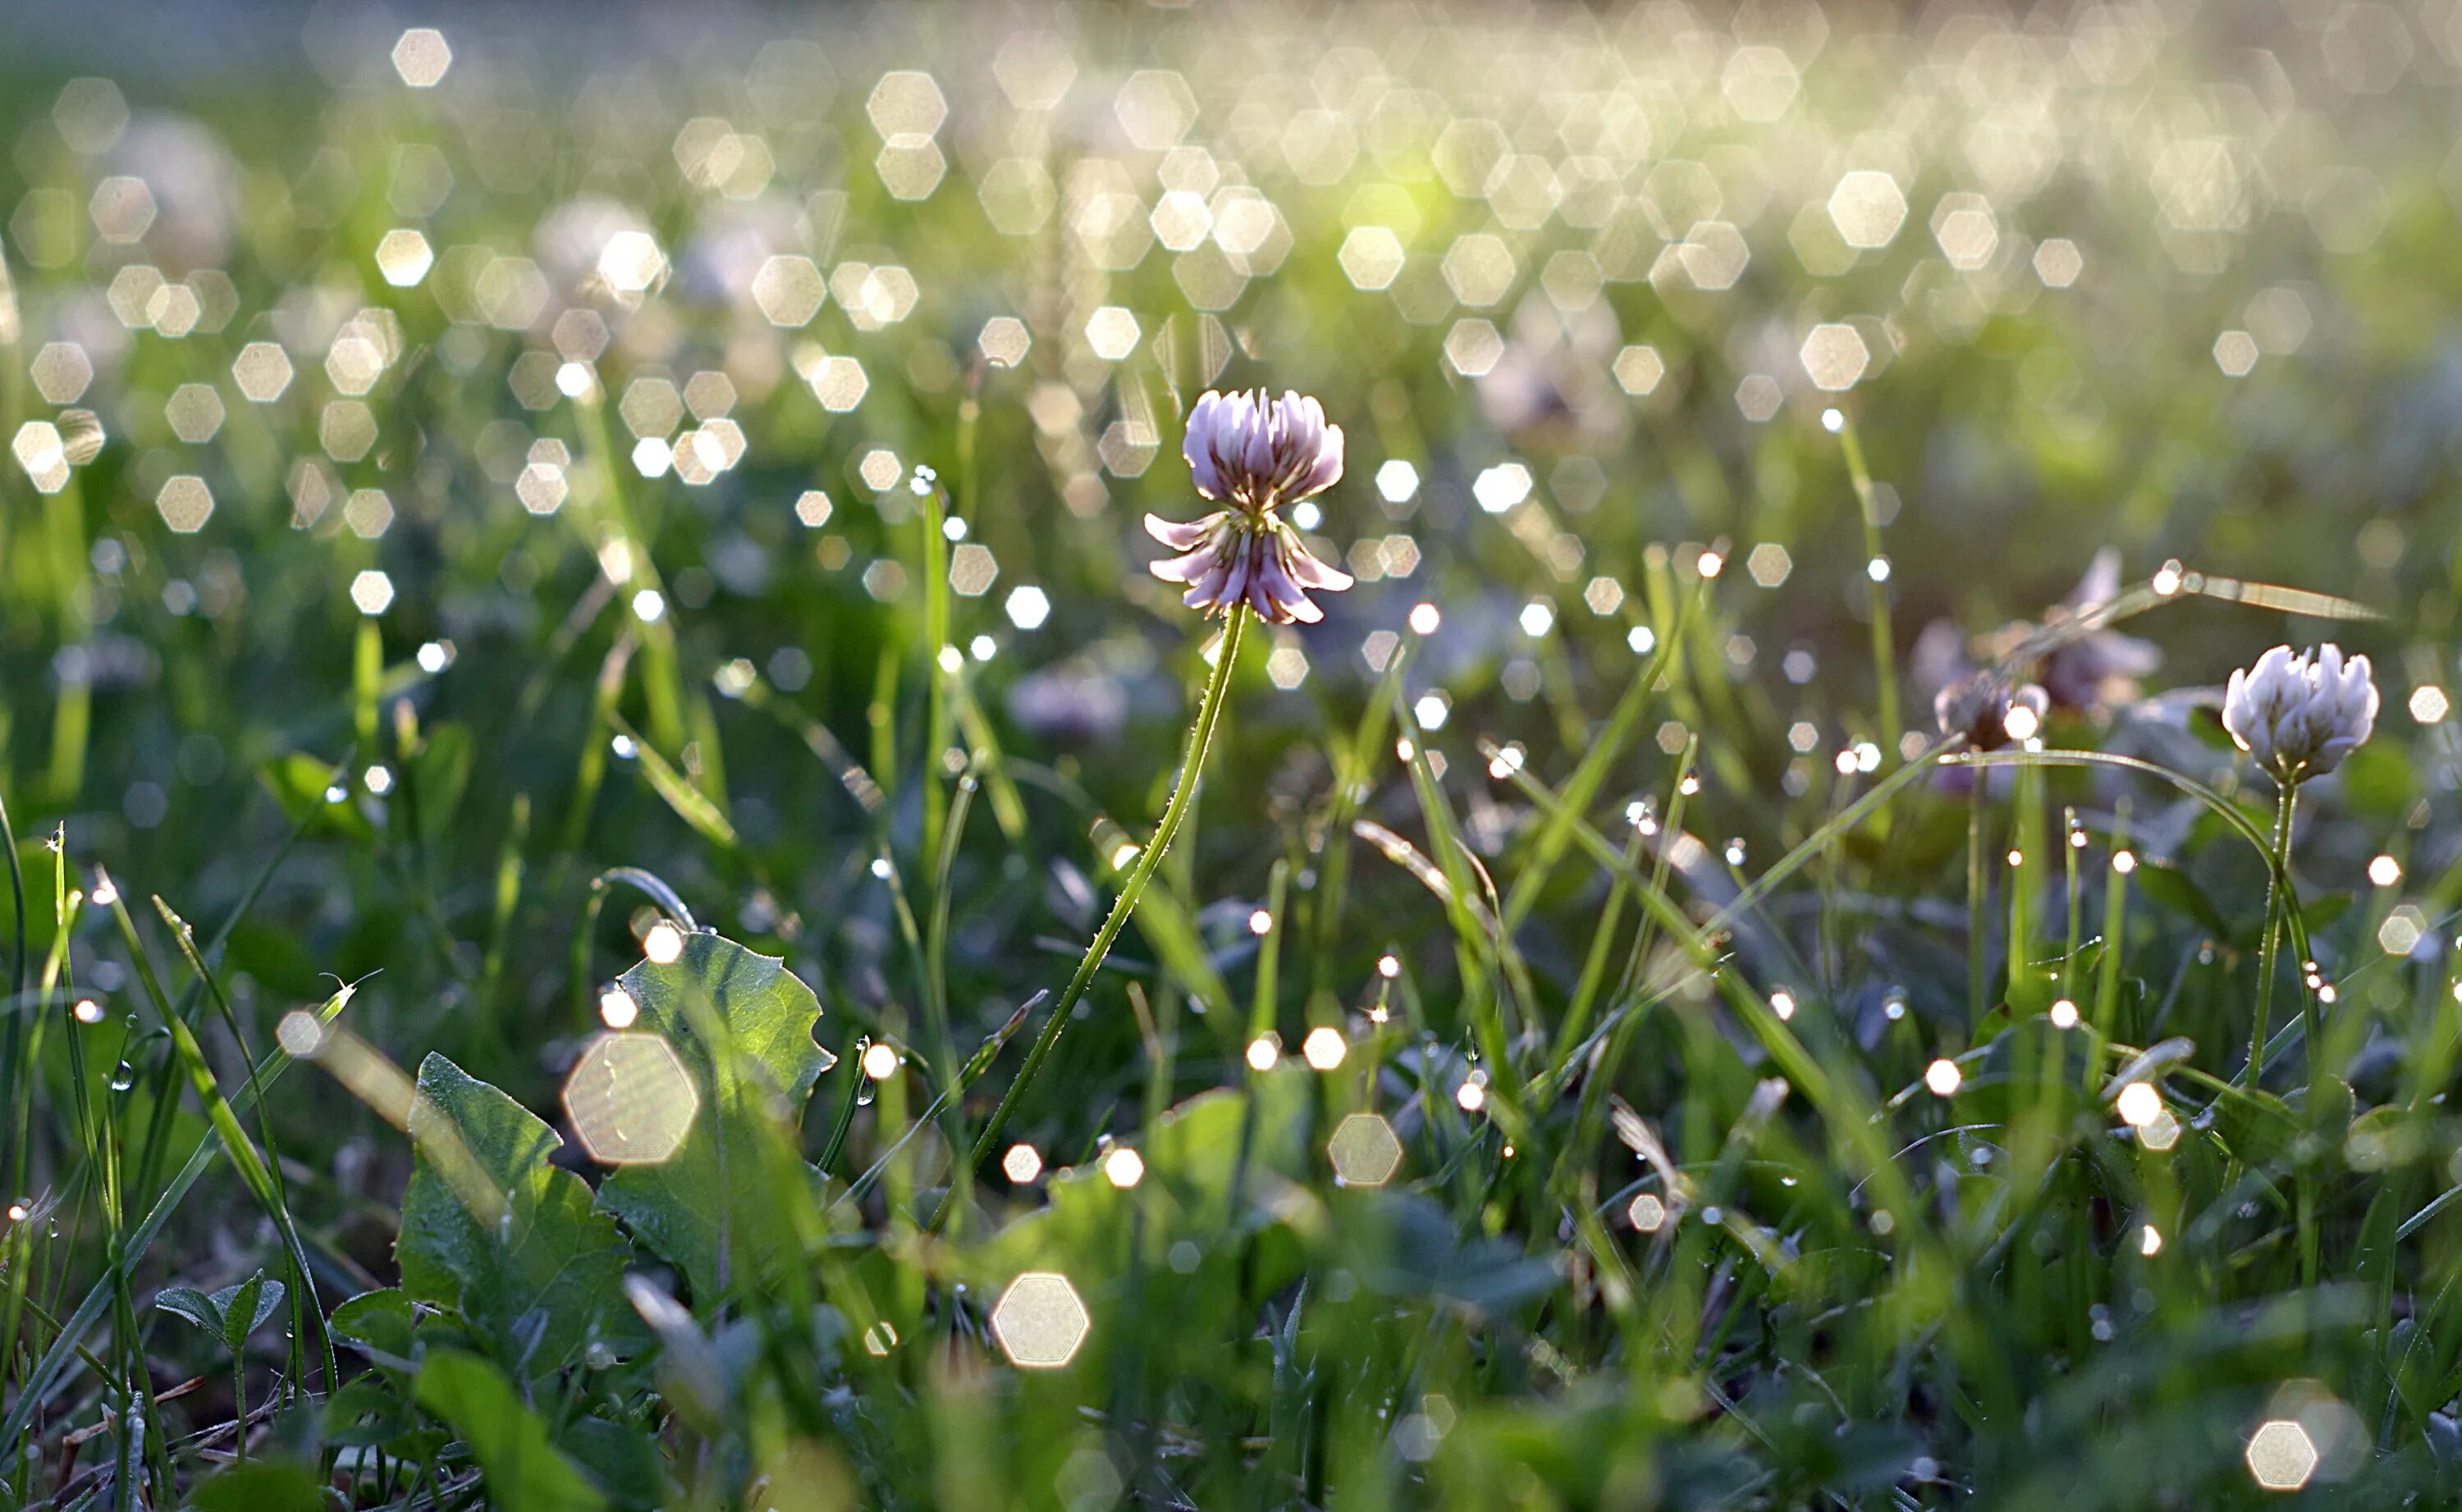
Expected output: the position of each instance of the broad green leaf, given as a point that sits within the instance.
(193, 1304)
(245, 1308)
(731, 1194)
(266, 1485)
(299, 783)
(525, 1471)
(379, 1321)
(489, 1227)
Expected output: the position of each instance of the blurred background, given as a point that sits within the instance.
(515, 338)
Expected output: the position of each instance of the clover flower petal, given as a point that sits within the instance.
(2301, 714)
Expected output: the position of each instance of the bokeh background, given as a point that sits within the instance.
(538, 404)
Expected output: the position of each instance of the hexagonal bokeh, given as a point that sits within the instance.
(1364, 1150)
(1370, 257)
(1112, 332)
(421, 57)
(1834, 356)
(1039, 1321)
(906, 107)
(1479, 268)
(2281, 1455)
(1022, 1164)
(195, 411)
(261, 370)
(1769, 564)
(1966, 228)
(61, 371)
(1155, 107)
(185, 503)
(1003, 341)
(629, 1100)
(972, 570)
(1867, 207)
(403, 256)
(372, 592)
(122, 208)
(790, 290)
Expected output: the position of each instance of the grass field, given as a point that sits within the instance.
(610, 905)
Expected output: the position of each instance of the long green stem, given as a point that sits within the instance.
(2278, 886)
(1885, 668)
(1977, 888)
(1201, 737)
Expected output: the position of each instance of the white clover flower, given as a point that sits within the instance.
(1259, 453)
(2301, 714)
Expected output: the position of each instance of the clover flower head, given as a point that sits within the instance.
(2300, 713)
(1257, 454)
(1988, 711)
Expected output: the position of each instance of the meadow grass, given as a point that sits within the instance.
(587, 586)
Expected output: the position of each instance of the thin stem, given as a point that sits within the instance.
(1885, 671)
(1978, 929)
(1201, 737)
(2277, 883)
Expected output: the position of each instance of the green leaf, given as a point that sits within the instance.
(524, 1470)
(379, 1321)
(489, 1227)
(266, 1485)
(245, 1308)
(742, 1025)
(299, 783)
(187, 1302)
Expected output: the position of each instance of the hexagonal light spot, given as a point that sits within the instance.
(1479, 268)
(1647, 1214)
(1364, 1150)
(61, 371)
(2401, 931)
(1638, 370)
(421, 57)
(709, 394)
(122, 208)
(1017, 195)
(790, 290)
(261, 370)
(1112, 333)
(629, 1100)
(372, 591)
(1769, 564)
(907, 107)
(972, 569)
(1965, 229)
(1287, 667)
(1003, 341)
(2281, 1455)
(1022, 1164)
(185, 503)
(631, 262)
(195, 411)
(403, 256)
(2429, 703)
(1028, 608)
(369, 513)
(1834, 356)
(1370, 257)
(2058, 263)
(42, 453)
(1867, 207)
(1155, 107)
(839, 383)
(1039, 1321)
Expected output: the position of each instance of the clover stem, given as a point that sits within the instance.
(1201, 737)
(2278, 886)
